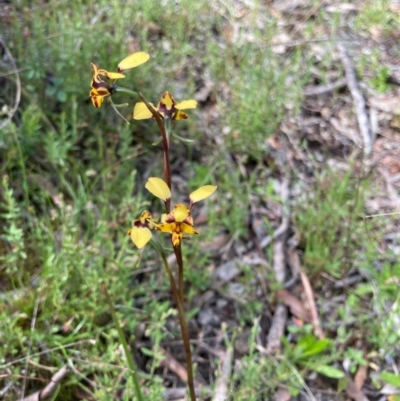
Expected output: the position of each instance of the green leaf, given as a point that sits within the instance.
(342, 384)
(329, 371)
(147, 351)
(390, 378)
(312, 347)
(61, 96)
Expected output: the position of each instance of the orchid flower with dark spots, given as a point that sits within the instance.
(103, 88)
(178, 222)
(167, 107)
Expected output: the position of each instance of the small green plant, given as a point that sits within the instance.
(308, 353)
(12, 234)
(329, 224)
(377, 15)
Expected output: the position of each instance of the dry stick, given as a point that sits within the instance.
(176, 367)
(173, 365)
(221, 386)
(279, 264)
(359, 102)
(50, 389)
(295, 260)
(324, 89)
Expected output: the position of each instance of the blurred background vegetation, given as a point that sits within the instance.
(72, 182)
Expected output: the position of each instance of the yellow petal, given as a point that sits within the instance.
(186, 228)
(144, 217)
(167, 100)
(140, 236)
(180, 213)
(158, 188)
(176, 238)
(141, 112)
(133, 60)
(202, 193)
(166, 228)
(114, 75)
(97, 99)
(180, 115)
(186, 104)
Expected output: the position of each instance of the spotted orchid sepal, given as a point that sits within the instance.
(140, 232)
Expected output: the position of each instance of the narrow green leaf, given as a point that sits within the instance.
(315, 348)
(390, 378)
(147, 351)
(329, 371)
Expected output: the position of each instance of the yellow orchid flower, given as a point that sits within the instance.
(98, 95)
(101, 88)
(167, 107)
(140, 232)
(179, 220)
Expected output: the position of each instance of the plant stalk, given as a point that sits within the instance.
(167, 167)
(178, 255)
(183, 324)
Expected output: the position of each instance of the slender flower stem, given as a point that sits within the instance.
(178, 294)
(167, 167)
(178, 255)
(183, 324)
(129, 358)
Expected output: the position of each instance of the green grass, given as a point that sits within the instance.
(72, 183)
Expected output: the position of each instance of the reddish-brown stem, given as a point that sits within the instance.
(177, 292)
(183, 324)
(167, 167)
(178, 255)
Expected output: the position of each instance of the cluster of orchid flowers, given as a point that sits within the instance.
(179, 221)
(101, 89)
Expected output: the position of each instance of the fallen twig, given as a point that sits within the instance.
(359, 101)
(282, 229)
(176, 367)
(221, 386)
(324, 89)
(279, 264)
(295, 260)
(49, 390)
